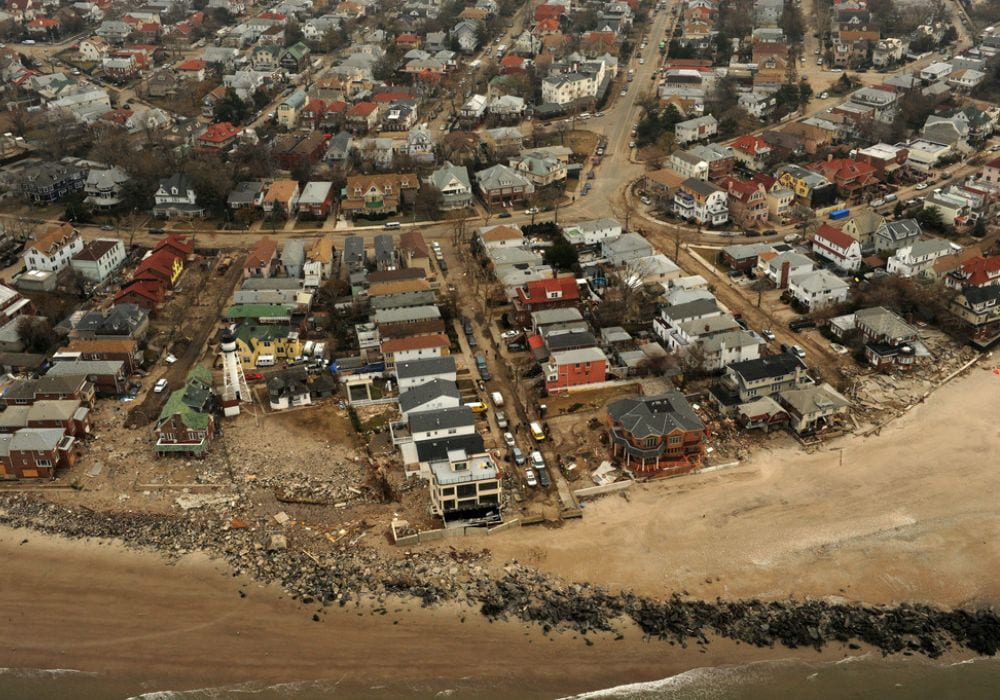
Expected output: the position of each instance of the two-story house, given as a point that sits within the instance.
(702, 202)
(99, 258)
(656, 434)
(175, 198)
(747, 202)
(378, 194)
(53, 249)
(837, 247)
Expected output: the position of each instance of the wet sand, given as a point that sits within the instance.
(102, 608)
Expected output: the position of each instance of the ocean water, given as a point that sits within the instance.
(860, 678)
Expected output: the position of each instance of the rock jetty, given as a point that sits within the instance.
(344, 573)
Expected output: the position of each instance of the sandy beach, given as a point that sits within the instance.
(128, 615)
(910, 514)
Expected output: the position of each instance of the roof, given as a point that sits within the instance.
(813, 399)
(884, 322)
(257, 311)
(438, 448)
(428, 391)
(259, 283)
(835, 236)
(441, 419)
(97, 249)
(417, 342)
(500, 233)
(570, 357)
(655, 415)
(279, 191)
(900, 230)
(406, 314)
(769, 366)
(549, 289)
(819, 281)
(414, 244)
(53, 238)
(549, 316)
(36, 439)
(315, 193)
(102, 345)
(263, 252)
(403, 330)
(425, 367)
(48, 410)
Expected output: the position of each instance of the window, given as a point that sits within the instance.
(448, 491)
(467, 491)
(676, 439)
(650, 441)
(43, 463)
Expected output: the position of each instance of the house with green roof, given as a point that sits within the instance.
(186, 424)
(294, 57)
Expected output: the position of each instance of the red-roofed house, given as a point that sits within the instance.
(408, 41)
(747, 201)
(979, 271)
(312, 113)
(852, 177)
(144, 293)
(752, 151)
(334, 115)
(177, 244)
(546, 27)
(549, 293)
(261, 259)
(192, 69)
(512, 63)
(419, 347)
(44, 27)
(362, 117)
(991, 171)
(543, 12)
(162, 265)
(217, 137)
(837, 247)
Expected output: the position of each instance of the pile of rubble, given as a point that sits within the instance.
(332, 568)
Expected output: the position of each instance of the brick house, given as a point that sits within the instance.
(67, 415)
(49, 388)
(656, 434)
(747, 202)
(549, 293)
(186, 424)
(378, 194)
(124, 349)
(574, 368)
(35, 453)
(146, 293)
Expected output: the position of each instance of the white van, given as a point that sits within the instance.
(389, 225)
(307, 349)
(265, 361)
(319, 350)
(497, 398)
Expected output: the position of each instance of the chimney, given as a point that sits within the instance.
(784, 274)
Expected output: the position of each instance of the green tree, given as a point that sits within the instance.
(293, 33)
(805, 94)
(561, 255)
(231, 108)
(930, 218)
(979, 230)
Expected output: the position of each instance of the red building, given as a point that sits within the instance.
(217, 138)
(658, 435)
(145, 293)
(292, 150)
(574, 368)
(177, 244)
(549, 293)
(35, 453)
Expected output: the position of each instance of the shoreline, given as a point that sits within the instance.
(142, 625)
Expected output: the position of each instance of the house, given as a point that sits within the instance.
(747, 202)
(67, 415)
(979, 309)
(12, 304)
(548, 293)
(414, 252)
(696, 129)
(284, 291)
(837, 247)
(53, 249)
(217, 138)
(295, 58)
(362, 117)
(161, 266)
(593, 232)
(702, 202)
(862, 227)
(119, 321)
(262, 258)
(570, 369)
(889, 341)
(811, 188)
(316, 199)
(893, 235)
(539, 168)
(93, 49)
(26, 392)
(99, 258)
(378, 195)
(752, 151)
(104, 187)
(288, 388)
(430, 396)
(192, 69)
(186, 424)
(107, 376)
(146, 293)
(812, 408)
(246, 195)
(503, 186)
(656, 434)
(452, 181)
(464, 484)
(412, 373)
(289, 109)
(49, 182)
(761, 377)
(567, 88)
(441, 423)
(175, 198)
(35, 453)
(624, 249)
(743, 256)
(418, 347)
(125, 350)
(282, 195)
(852, 178)
(292, 151)
(918, 258)
(817, 289)
(924, 154)
(782, 267)
(386, 255)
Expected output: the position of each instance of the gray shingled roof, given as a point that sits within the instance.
(420, 395)
(442, 419)
(655, 415)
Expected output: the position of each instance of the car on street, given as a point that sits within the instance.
(768, 334)
(794, 350)
(510, 335)
(537, 461)
(800, 324)
(160, 386)
(508, 439)
(518, 456)
(921, 186)
(631, 144)
(529, 477)
(504, 215)
(107, 227)
(624, 91)
(502, 420)
(530, 212)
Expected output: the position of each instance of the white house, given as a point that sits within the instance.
(175, 197)
(687, 164)
(923, 154)
(935, 72)
(723, 349)
(782, 267)
(837, 247)
(696, 129)
(918, 258)
(817, 289)
(52, 250)
(442, 423)
(566, 88)
(432, 396)
(413, 373)
(593, 232)
(703, 202)
(99, 258)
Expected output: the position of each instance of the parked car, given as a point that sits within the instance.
(160, 386)
(768, 334)
(508, 439)
(921, 186)
(537, 460)
(502, 420)
(510, 335)
(793, 350)
(516, 347)
(533, 210)
(253, 376)
(518, 456)
(529, 477)
(504, 215)
(801, 323)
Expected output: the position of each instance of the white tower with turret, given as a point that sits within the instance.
(234, 383)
